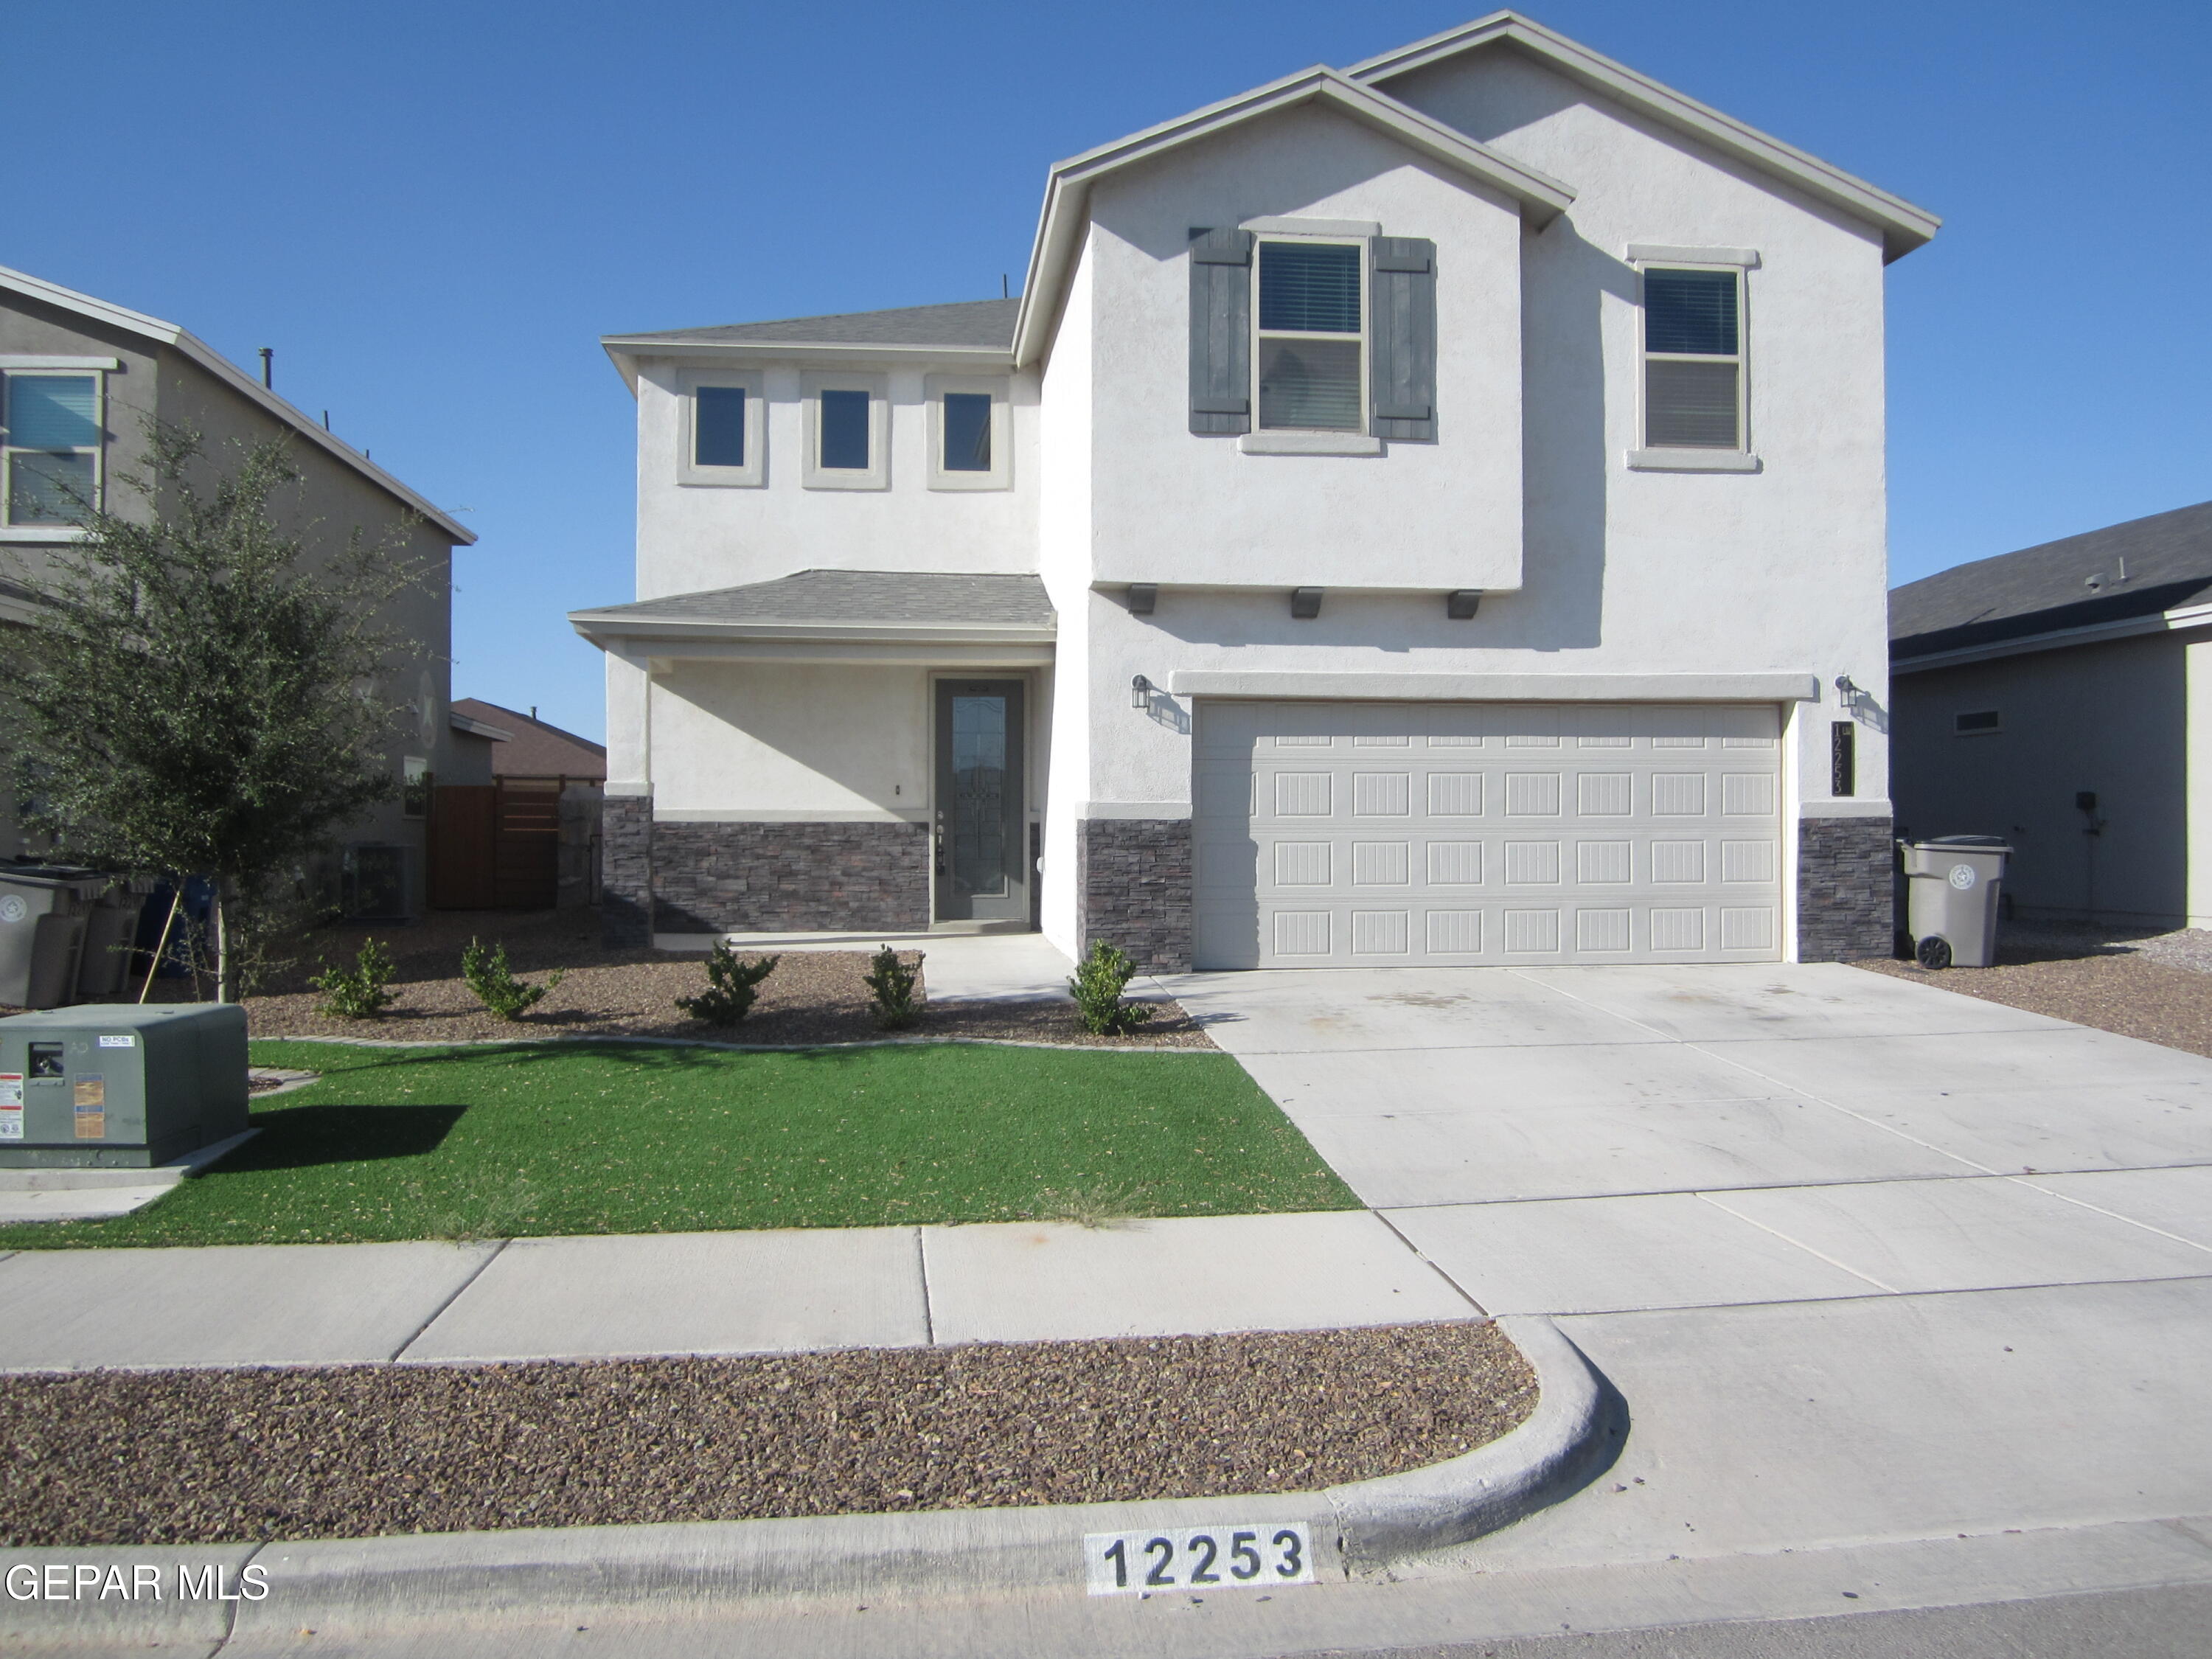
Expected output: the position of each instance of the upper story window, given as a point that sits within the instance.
(723, 430)
(1311, 346)
(970, 439)
(847, 431)
(1693, 359)
(51, 423)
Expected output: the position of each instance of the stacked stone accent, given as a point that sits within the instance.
(626, 871)
(1845, 888)
(779, 877)
(1133, 877)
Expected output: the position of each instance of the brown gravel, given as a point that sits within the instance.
(2114, 981)
(813, 996)
(187, 1457)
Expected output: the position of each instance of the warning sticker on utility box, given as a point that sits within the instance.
(11, 1105)
(91, 1092)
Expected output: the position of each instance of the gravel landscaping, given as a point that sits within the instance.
(812, 997)
(200, 1456)
(2157, 987)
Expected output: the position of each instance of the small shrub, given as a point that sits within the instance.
(496, 985)
(891, 987)
(362, 992)
(1099, 981)
(729, 995)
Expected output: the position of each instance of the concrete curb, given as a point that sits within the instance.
(355, 1586)
(735, 1048)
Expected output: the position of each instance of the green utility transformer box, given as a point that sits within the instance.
(119, 1086)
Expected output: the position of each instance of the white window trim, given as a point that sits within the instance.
(754, 473)
(1000, 475)
(1364, 337)
(1738, 263)
(812, 475)
(75, 368)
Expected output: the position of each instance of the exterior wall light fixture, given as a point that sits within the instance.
(1141, 693)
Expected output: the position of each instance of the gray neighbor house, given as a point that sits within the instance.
(2061, 697)
(80, 378)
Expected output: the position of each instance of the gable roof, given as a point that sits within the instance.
(154, 329)
(979, 329)
(1904, 226)
(532, 747)
(2143, 569)
(837, 603)
(1067, 189)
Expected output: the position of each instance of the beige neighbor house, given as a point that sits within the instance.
(2061, 697)
(80, 378)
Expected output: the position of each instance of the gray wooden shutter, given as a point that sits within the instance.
(1221, 331)
(1403, 379)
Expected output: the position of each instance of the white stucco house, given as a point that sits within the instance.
(1414, 514)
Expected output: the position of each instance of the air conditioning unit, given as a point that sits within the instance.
(375, 882)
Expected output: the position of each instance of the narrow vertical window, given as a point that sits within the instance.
(51, 449)
(1692, 360)
(844, 431)
(967, 432)
(718, 426)
(1312, 350)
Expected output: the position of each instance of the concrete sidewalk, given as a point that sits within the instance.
(708, 1293)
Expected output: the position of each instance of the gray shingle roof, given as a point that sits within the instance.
(2073, 583)
(897, 598)
(974, 324)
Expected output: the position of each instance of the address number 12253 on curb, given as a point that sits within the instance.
(1230, 1556)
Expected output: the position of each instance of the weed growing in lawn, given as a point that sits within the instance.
(1096, 1205)
(1100, 979)
(891, 986)
(363, 992)
(496, 985)
(730, 990)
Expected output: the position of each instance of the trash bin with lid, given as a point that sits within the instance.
(1951, 898)
(42, 910)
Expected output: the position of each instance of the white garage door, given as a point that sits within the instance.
(1369, 834)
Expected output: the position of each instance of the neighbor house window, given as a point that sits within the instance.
(1977, 723)
(1693, 382)
(50, 460)
(718, 427)
(415, 784)
(844, 431)
(1309, 342)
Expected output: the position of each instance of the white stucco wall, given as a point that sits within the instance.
(805, 740)
(692, 537)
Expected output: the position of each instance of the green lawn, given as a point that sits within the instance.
(634, 1139)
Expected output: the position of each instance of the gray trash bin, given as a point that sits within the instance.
(1951, 898)
(43, 911)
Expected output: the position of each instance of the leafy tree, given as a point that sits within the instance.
(200, 694)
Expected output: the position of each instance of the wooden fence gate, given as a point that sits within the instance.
(496, 845)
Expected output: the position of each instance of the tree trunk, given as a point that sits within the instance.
(226, 962)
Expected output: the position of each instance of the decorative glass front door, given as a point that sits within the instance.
(982, 827)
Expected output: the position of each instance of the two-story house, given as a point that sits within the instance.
(1417, 514)
(80, 380)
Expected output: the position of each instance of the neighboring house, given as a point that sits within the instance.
(533, 748)
(1413, 515)
(79, 379)
(2061, 697)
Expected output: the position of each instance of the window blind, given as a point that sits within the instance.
(52, 411)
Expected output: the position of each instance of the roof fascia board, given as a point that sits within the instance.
(1904, 227)
(206, 357)
(477, 728)
(593, 624)
(2058, 639)
(627, 351)
(1066, 203)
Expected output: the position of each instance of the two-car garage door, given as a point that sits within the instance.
(1374, 833)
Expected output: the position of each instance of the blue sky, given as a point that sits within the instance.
(432, 212)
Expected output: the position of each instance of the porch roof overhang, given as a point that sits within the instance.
(949, 618)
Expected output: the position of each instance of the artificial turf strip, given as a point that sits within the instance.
(539, 1139)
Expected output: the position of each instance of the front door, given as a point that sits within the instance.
(982, 869)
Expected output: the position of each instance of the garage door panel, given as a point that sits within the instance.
(1372, 833)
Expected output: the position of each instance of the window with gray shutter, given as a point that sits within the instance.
(1221, 331)
(1402, 377)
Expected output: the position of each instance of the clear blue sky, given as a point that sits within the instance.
(432, 212)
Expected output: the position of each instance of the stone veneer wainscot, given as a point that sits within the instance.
(1845, 888)
(1134, 876)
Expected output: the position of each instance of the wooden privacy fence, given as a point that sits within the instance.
(499, 846)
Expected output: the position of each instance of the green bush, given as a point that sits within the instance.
(1099, 981)
(891, 987)
(361, 993)
(496, 985)
(729, 995)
